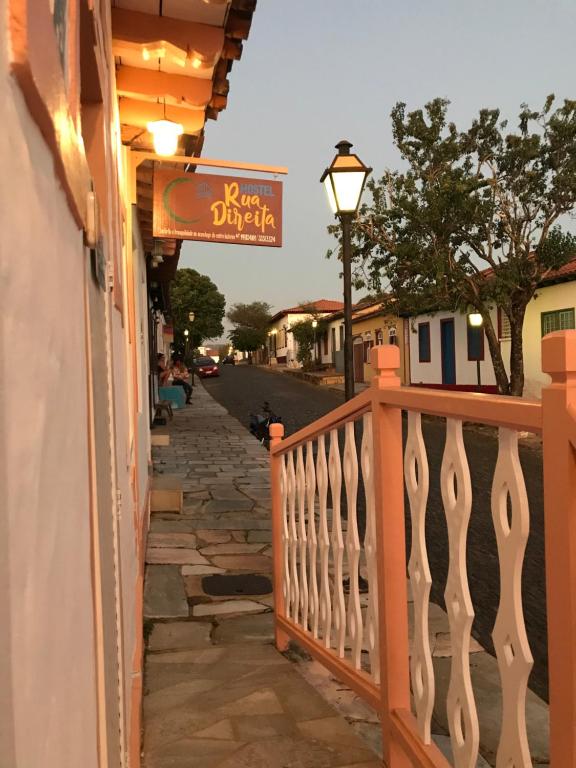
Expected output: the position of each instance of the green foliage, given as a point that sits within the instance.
(305, 334)
(254, 315)
(473, 221)
(192, 292)
(251, 324)
(247, 339)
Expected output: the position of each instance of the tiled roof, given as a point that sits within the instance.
(320, 305)
(564, 272)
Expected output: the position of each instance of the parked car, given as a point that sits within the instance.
(229, 360)
(206, 366)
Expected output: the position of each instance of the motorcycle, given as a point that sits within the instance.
(260, 423)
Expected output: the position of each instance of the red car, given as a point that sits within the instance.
(206, 366)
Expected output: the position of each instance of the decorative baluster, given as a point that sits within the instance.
(301, 495)
(417, 483)
(324, 543)
(293, 539)
(367, 461)
(335, 473)
(457, 497)
(312, 538)
(355, 627)
(286, 587)
(510, 514)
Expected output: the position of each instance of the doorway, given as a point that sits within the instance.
(358, 361)
(448, 351)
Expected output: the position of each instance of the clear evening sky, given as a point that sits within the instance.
(316, 71)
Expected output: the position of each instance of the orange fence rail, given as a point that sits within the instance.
(343, 595)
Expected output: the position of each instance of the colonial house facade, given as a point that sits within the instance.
(85, 307)
(282, 347)
(445, 351)
(371, 326)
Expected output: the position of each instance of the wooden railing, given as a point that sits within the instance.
(341, 592)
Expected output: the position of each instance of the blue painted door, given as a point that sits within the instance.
(448, 352)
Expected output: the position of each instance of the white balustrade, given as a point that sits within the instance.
(312, 538)
(511, 517)
(372, 630)
(417, 483)
(324, 543)
(354, 614)
(338, 603)
(286, 585)
(293, 539)
(301, 535)
(457, 497)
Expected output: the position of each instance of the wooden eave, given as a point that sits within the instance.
(178, 68)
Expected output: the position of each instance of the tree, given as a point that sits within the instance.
(305, 335)
(473, 221)
(251, 326)
(255, 315)
(246, 340)
(192, 292)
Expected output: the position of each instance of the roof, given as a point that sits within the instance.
(564, 274)
(320, 305)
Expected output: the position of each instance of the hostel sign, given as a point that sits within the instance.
(217, 209)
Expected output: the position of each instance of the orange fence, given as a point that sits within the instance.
(342, 593)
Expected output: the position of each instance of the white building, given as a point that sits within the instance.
(446, 352)
(282, 347)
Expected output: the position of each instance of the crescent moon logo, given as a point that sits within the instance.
(168, 207)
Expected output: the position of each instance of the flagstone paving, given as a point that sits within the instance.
(217, 693)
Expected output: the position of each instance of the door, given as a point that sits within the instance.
(448, 351)
(333, 345)
(358, 361)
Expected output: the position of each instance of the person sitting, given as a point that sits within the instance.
(180, 374)
(162, 370)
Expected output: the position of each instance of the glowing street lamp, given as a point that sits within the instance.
(475, 320)
(344, 181)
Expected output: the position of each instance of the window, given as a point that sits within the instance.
(424, 342)
(392, 338)
(504, 333)
(379, 337)
(560, 320)
(475, 342)
(342, 336)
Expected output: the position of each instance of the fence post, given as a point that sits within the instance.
(559, 440)
(391, 552)
(276, 435)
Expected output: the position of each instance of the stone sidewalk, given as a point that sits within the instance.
(217, 693)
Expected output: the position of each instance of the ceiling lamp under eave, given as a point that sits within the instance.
(165, 134)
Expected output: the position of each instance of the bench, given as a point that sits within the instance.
(175, 395)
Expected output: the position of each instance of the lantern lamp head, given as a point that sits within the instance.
(344, 180)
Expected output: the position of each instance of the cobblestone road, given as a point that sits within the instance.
(242, 389)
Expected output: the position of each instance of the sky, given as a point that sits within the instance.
(316, 71)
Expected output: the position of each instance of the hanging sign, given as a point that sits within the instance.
(217, 209)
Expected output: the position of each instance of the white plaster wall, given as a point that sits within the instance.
(48, 710)
(548, 299)
(431, 373)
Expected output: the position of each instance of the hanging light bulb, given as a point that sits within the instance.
(165, 134)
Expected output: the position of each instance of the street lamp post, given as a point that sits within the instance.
(344, 181)
(475, 320)
(191, 317)
(314, 326)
